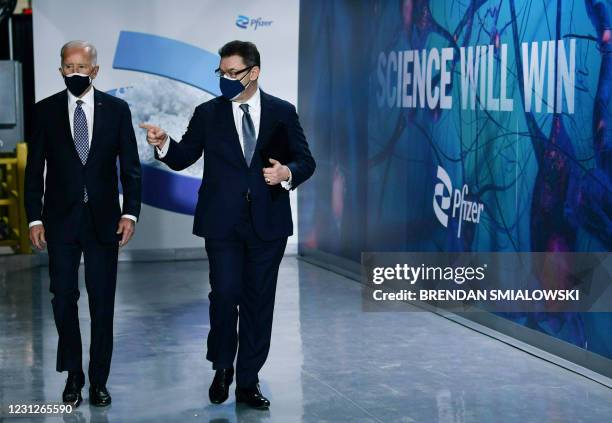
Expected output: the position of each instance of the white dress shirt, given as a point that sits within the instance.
(255, 111)
(88, 108)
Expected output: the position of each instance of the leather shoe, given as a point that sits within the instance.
(99, 396)
(72, 391)
(252, 397)
(219, 389)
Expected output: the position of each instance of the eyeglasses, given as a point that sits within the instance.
(232, 74)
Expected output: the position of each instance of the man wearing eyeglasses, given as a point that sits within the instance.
(254, 151)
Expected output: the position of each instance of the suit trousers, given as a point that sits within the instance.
(100, 280)
(243, 275)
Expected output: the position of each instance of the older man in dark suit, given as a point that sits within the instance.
(78, 134)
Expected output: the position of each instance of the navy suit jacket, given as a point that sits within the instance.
(52, 143)
(227, 178)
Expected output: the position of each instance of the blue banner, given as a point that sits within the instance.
(461, 126)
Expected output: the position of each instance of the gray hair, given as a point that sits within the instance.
(90, 48)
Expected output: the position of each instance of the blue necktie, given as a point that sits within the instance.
(248, 134)
(81, 136)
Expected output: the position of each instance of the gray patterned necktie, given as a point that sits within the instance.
(81, 136)
(248, 134)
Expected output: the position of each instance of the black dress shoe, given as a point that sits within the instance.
(72, 391)
(252, 397)
(219, 389)
(99, 396)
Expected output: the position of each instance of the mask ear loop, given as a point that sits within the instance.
(247, 85)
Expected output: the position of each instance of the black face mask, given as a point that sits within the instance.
(77, 83)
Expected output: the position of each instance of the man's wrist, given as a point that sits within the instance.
(130, 217)
(163, 143)
(162, 149)
(287, 182)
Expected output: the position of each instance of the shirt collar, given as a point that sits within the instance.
(253, 102)
(88, 99)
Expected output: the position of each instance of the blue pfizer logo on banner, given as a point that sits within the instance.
(176, 78)
(242, 21)
(245, 22)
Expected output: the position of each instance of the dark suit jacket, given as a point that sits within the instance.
(227, 178)
(52, 142)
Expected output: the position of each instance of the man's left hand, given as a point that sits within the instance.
(126, 229)
(276, 174)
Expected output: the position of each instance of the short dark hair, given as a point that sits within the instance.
(245, 49)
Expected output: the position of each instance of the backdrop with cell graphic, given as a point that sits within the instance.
(160, 57)
(461, 126)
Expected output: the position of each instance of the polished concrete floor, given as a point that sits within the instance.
(329, 362)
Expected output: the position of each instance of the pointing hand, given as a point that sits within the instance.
(155, 135)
